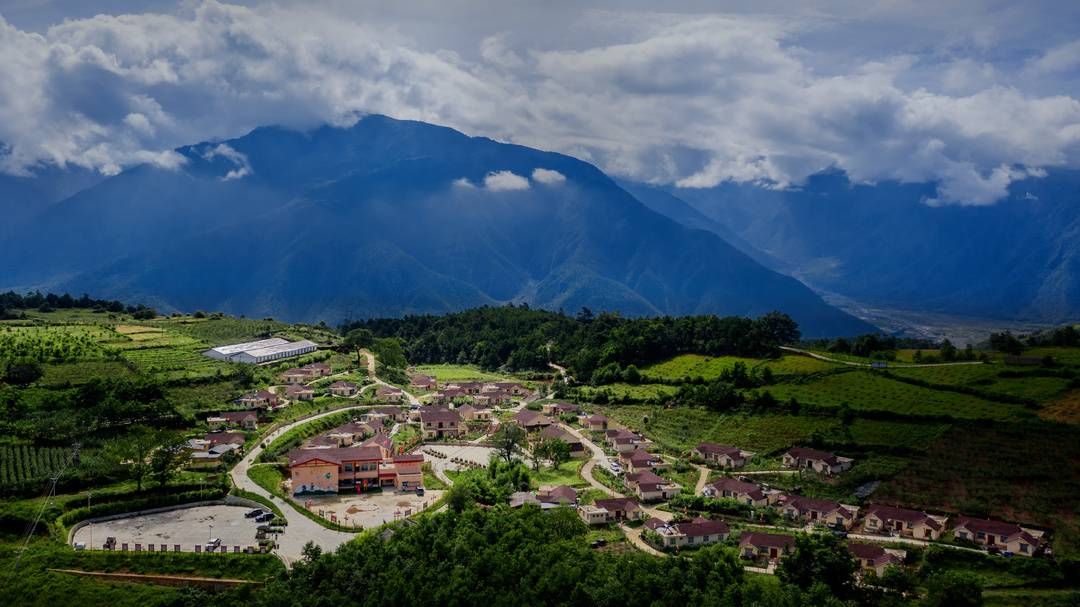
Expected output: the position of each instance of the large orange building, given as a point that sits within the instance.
(332, 470)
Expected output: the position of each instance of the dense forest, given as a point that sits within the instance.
(519, 338)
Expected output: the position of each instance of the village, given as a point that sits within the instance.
(376, 466)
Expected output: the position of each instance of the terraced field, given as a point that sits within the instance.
(869, 391)
(988, 378)
(680, 429)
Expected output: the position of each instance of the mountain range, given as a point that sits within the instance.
(885, 245)
(386, 218)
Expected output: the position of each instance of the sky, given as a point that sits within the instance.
(970, 95)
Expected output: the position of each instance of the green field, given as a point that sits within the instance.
(691, 366)
(628, 392)
(569, 473)
(680, 429)
(694, 366)
(865, 390)
(447, 373)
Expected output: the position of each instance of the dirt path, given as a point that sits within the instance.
(703, 477)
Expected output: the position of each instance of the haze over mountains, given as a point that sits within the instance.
(884, 245)
(385, 218)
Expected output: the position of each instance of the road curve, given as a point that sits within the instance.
(300, 529)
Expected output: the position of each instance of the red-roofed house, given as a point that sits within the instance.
(822, 462)
(318, 369)
(440, 423)
(343, 388)
(423, 382)
(641, 460)
(824, 512)
(1006, 536)
(650, 488)
(612, 510)
(259, 399)
(296, 376)
(698, 532)
(596, 423)
(903, 522)
(622, 440)
(721, 455)
(730, 488)
(297, 392)
(561, 494)
(772, 546)
(531, 421)
(556, 432)
(872, 557)
(389, 394)
(248, 420)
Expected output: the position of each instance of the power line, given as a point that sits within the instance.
(49, 494)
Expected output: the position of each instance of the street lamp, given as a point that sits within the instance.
(88, 494)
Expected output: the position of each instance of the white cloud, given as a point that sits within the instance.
(240, 161)
(1061, 58)
(548, 176)
(685, 98)
(462, 182)
(505, 181)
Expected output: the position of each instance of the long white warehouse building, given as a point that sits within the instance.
(265, 350)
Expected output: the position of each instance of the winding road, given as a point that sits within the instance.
(300, 529)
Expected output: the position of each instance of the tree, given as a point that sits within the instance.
(948, 351)
(952, 589)
(358, 339)
(820, 559)
(779, 327)
(1007, 343)
(22, 371)
(507, 439)
(557, 451)
(167, 459)
(132, 452)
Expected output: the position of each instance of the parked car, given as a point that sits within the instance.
(213, 543)
(420, 491)
(254, 513)
(265, 517)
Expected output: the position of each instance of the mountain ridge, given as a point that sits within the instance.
(392, 217)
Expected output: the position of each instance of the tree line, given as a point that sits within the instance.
(519, 338)
(47, 302)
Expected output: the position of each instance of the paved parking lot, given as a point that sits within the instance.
(187, 527)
